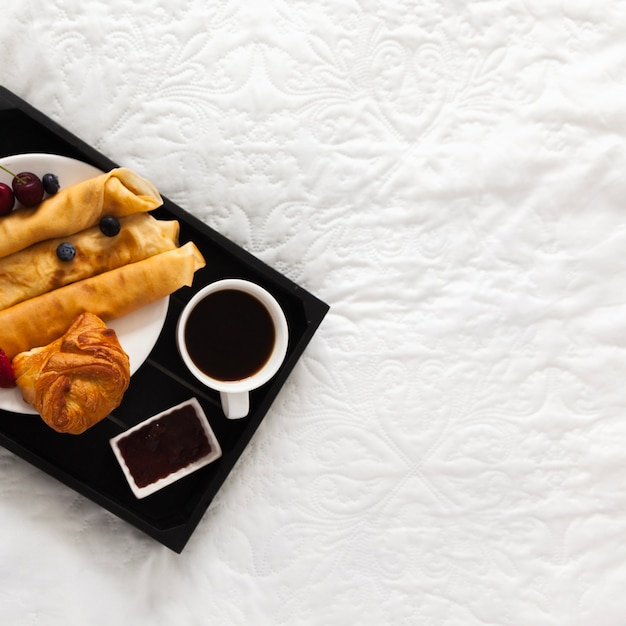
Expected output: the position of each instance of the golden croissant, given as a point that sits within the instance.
(78, 379)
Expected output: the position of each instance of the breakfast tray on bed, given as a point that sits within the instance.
(86, 462)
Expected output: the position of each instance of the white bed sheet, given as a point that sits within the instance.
(451, 178)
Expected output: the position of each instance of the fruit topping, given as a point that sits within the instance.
(66, 251)
(110, 225)
(28, 188)
(50, 183)
(7, 375)
(7, 199)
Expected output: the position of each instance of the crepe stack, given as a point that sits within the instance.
(41, 296)
(37, 269)
(119, 192)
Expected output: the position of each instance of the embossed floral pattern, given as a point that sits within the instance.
(449, 177)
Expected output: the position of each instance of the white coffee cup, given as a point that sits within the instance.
(212, 336)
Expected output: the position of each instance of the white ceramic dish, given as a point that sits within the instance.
(215, 451)
(137, 332)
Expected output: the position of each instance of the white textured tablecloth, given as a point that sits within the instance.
(450, 176)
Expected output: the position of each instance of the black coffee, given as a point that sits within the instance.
(229, 335)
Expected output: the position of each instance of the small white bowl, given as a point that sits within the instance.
(215, 451)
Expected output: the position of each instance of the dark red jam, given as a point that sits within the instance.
(164, 446)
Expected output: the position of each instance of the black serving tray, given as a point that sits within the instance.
(86, 462)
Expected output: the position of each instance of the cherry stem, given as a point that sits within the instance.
(21, 181)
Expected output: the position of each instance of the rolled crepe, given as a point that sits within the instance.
(39, 321)
(119, 192)
(37, 269)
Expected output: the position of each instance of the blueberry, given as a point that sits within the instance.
(66, 251)
(110, 225)
(50, 183)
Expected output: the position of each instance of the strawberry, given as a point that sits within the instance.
(7, 375)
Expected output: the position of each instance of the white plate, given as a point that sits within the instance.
(137, 332)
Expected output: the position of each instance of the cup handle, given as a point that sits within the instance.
(235, 405)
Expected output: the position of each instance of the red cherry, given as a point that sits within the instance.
(7, 375)
(28, 189)
(7, 199)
